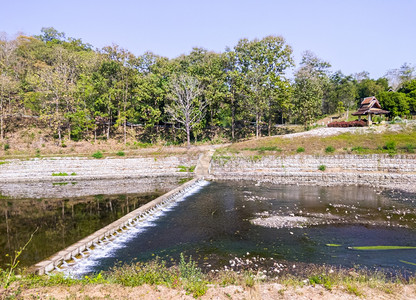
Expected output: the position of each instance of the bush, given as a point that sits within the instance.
(322, 168)
(120, 153)
(97, 155)
(410, 148)
(6, 147)
(329, 149)
(390, 146)
(358, 123)
(300, 150)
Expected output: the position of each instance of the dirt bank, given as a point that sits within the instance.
(258, 291)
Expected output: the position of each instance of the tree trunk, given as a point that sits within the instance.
(270, 126)
(188, 136)
(1, 126)
(232, 119)
(257, 125)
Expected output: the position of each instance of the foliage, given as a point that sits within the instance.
(186, 169)
(329, 149)
(300, 150)
(98, 155)
(78, 93)
(14, 262)
(60, 174)
(322, 168)
(120, 153)
(360, 123)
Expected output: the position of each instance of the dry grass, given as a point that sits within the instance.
(346, 143)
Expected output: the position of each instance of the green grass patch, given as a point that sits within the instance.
(98, 155)
(365, 248)
(300, 150)
(333, 245)
(3, 162)
(60, 174)
(73, 174)
(322, 168)
(329, 149)
(120, 153)
(186, 169)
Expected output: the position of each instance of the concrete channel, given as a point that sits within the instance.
(110, 231)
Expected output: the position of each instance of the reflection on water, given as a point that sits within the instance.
(216, 225)
(63, 221)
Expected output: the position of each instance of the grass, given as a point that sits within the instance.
(264, 148)
(98, 155)
(300, 150)
(322, 168)
(187, 276)
(329, 149)
(186, 169)
(346, 143)
(60, 174)
(120, 153)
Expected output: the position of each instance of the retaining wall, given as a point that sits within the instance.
(36, 169)
(376, 170)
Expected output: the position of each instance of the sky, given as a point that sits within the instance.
(353, 35)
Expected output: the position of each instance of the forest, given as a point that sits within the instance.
(64, 85)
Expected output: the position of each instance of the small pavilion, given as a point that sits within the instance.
(370, 106)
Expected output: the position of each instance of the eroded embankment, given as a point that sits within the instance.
(373, 170)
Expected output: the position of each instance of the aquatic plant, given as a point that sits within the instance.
(381, 248)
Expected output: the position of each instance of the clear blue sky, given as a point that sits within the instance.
(353, 35)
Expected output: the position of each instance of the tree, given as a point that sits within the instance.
(342, 89)
(310, 82)
(186, 107)
(263, 64)
(396, 103)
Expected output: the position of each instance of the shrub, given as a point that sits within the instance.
(300, 150)
(358, 123)
(98, 155)
(390, 146)
(329, 149)
(322, 168)
(410, 148)
(120, 153)
(6, 147)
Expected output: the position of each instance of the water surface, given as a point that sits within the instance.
(218, 224)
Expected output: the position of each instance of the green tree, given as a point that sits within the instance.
(263, 64)
(310, 82)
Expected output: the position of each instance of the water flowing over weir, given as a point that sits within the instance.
(79, 258)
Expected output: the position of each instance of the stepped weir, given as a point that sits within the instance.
(104, 238)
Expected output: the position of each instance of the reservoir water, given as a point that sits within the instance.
(226, 223)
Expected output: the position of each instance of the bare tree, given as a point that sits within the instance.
(186, 108)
